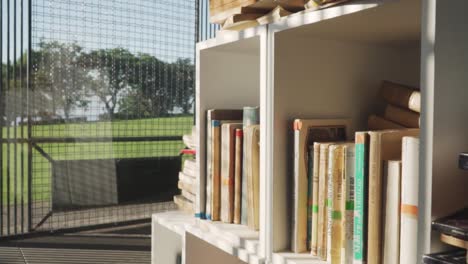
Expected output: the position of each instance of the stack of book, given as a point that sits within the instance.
(188, 176)
(356, 194)
(242, 14)
(232, 162)
(454, 232)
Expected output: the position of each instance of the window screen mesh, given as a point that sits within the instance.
(109, 94)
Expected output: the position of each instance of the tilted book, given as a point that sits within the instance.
(251, 116)
(306, 132)
(238, 176)
(310, 187)
(348, 203)
(402, 116)
(384, 145)
(409, 200)
(401, 95)
(228, 138)
(203, 209)
(379, 123)
(391, 224)
(361, 188)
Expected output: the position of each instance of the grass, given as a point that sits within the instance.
(41, 168)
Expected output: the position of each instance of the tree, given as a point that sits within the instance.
(112, 74)
(59, 79)
(184, 76)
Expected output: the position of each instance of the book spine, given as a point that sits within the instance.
(322, 215)
(374, 236)
(215, 167)
(256, 176)
(360, 190)
(250, 117)
(348, 205)
(315, 194)
(225, 169)
(238, 177)
(209, 176)
(310, 187)
(392, 178)
(409, 200)
(335, 210)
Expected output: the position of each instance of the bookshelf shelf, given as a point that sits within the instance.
(329, 64)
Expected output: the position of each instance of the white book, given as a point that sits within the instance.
(409, 200)
(190, 167)
(348, 193)
(187, 179)
(392, 183)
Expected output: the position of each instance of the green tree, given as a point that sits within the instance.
(60, 80)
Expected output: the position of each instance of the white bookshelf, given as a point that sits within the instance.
(330, 63)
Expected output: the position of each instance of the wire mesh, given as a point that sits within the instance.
(95, 96)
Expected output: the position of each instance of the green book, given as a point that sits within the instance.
(360, 192)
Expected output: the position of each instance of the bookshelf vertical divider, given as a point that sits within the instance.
(330, 63)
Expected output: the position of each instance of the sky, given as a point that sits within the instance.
(163, 28)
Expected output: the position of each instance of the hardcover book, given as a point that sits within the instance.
(212, 114)
(251, 116)
(384, 145)
(361, 196)
(402, 116)
(379, 123)
(391, 217)
(306, 132)
(401, 95)
(228, 170)
(409, 200)
(252, 166)
(238, 176)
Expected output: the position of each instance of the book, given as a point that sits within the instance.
(313, 5)
(335, 209)
(379, 123)
(402, 116)
(306, 132)
(252, 165)
(251, 116)
(188, 195)
(391, 217)
(384, 145)
(238, 176)
(241, 21)
(275, 15)
(204, 208)
(348, 203)
(228, 138)
(216, 167)
(315, 191)
(401, 95)
(322, 202)
(409, 200)
(189, 140)
(361, 188)
(183, 203)
(310, 187)
(455, 225)
(190, 167)
(220, 9)
(187, 179)
(187, 187)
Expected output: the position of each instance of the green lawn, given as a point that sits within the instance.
(174, 126)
